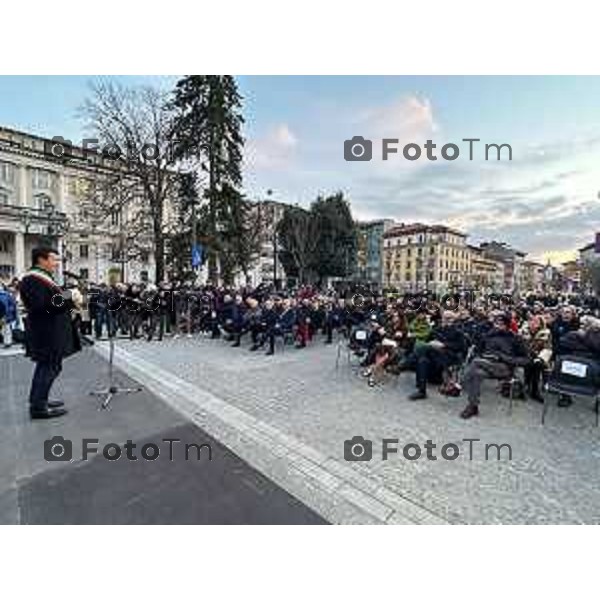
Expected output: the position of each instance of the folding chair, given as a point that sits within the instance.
(513, 381)
(574, 376)
(344, 344)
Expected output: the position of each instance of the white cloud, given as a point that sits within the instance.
(273, 150)
(409, 118)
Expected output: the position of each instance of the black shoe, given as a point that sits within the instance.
(418, 395)
(55, 403)
(47, 413)
(254, 348)
(472, 410)
(269, 352)
(564, 401)
(328, 341)
(537, 397)
(235, 345)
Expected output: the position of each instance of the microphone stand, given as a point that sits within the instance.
(112, 390)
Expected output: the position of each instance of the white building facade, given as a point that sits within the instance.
(41, 202)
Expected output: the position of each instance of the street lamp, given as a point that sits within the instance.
(274, 241)
(26, 218)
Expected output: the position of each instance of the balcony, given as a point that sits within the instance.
(34, 220)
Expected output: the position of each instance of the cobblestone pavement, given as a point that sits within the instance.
(298, 402)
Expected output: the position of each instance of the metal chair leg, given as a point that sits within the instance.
(545, 405)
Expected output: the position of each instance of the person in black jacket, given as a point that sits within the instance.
(446, 347)
(501, 351)
(584, 342)
(268, 322)
(50, 335)
(566, 323)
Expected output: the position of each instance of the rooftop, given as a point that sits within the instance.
(415, 228)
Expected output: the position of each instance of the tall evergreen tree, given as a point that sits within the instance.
(320, 242)
(208, 132)
(337, 247)
(184, 233)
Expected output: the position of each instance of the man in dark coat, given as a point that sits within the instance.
(50, 335)
(501, 351)
(447, 347)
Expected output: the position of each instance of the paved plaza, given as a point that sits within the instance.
(225, 490)
(277, 426)
(289, 416)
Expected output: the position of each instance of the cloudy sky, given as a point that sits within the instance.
(545, 201)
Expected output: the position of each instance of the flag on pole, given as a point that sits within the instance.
(196, 256)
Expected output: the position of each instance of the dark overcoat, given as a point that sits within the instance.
(49, 332)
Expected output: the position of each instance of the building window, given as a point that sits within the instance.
(4, 245)
(115, 218)
(144, 276)
(7, 173)
(42, 202)
(3, 198)
(83, 251)
(41, 179)
(144, 256)
(84, 273)
(6, 271)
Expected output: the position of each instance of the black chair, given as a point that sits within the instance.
(514, 383)
(574, 376)
(285, 336)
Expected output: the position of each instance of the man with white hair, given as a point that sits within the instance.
(566, 322)
(583, 342)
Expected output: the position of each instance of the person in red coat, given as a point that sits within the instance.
(49, 332)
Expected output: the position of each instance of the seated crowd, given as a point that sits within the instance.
(450, 342)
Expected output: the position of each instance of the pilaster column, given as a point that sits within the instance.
(60, 191)
(22, 199)
(19, 253)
